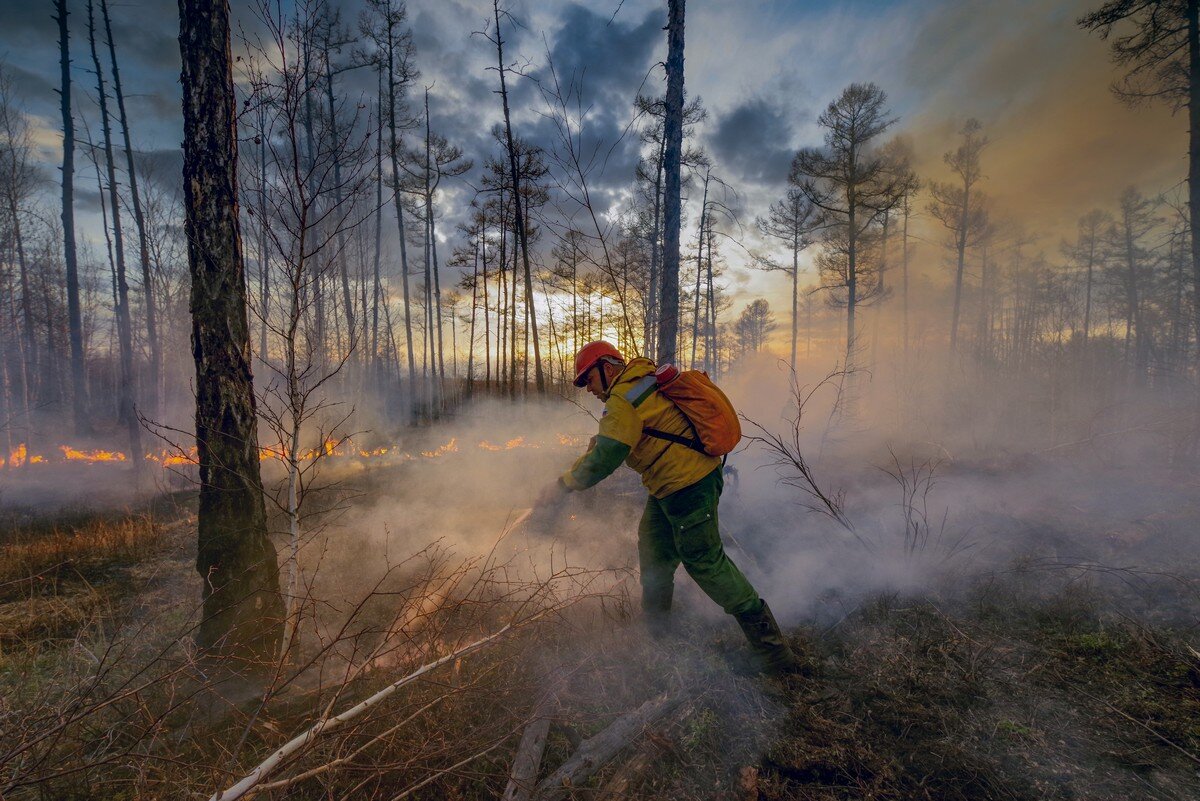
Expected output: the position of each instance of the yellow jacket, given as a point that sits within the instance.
(632, 405)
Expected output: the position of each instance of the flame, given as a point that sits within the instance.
(449, 447)
(18, 457)
(91, 457)
(327, 448)
(518, 442)
(330, 447)
(172, 458)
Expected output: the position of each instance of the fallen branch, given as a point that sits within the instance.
(528, 761)
(595, 752)
(248, 783)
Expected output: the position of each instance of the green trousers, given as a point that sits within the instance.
(682, 527)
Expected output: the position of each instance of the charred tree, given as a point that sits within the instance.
(668, 320)
(243, 611)
(125, 391)
(519, 220)
(79, 394)
(395, 51)
(139, 218)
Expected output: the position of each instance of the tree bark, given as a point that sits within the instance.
(376, 283)
(79, 394)
(668, 318)
(125, 392)
(243, 611)
(343, 269)
(395, 159)
(699, 269)
(1193, 37)
(139, 220)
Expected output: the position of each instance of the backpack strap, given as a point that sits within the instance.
(641, 389)
(691, 442)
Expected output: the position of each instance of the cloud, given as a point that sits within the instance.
(753, 138)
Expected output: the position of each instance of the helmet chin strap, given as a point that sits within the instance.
(603, 376)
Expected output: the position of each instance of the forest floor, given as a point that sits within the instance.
(1064, 664)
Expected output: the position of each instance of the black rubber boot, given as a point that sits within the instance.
(656, 611)
(772, 652)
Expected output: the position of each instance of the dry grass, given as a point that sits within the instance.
(33, 558)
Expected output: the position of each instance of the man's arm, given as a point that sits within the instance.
(620, 430)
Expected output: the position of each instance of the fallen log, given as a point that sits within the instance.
(596, 752)
(633, 771)
(522, 779)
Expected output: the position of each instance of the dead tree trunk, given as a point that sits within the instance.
(519, 222)
(243, 611)
(699, 269)
(139, 220)
(343, 270)
(655, 254)
(376, 282)
(79, 394)
(264, 262)
(394, 153)
(668, 319)
(125, 392)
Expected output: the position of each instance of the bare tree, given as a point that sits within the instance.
(518, 210)
(125, 392)
(1157, 42)
(152, 339)
(668, 321)
(793, 219)
(383, 24)
(439, 159)
(1131, 257)
(1086, 252)
(962, 213)
(650, 174)
(753, 325)
(850, 181)
(243, 611)
(79, 394)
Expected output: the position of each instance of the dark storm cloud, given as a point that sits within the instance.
(753, 139)
(26, 18)
(606, 64)
(610, 59)
(29, 84)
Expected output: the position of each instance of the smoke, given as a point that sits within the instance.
(948, 474)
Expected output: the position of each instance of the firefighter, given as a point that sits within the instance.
(679, 524)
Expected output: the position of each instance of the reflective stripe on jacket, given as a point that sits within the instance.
(631, 405)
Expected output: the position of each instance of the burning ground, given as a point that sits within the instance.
(990, 628)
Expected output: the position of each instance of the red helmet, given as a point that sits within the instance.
(589, 355)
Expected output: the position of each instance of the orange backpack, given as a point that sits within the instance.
(710, 415)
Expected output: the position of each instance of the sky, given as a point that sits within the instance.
(1061, 143)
